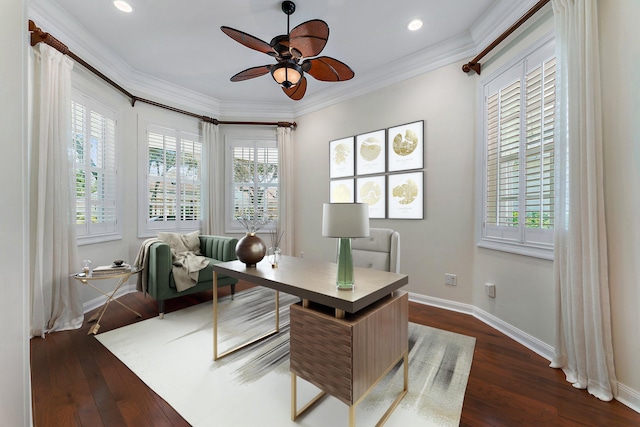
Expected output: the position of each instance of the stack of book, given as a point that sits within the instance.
(106, 270)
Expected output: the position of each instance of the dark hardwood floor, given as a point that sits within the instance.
(77, 382)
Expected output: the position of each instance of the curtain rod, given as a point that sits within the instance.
(38, 36)
(475, 65)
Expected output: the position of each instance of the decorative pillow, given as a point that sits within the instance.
(182, 242)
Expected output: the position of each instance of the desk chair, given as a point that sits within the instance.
(380, 251)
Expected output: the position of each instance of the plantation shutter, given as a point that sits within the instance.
(502, 162)
(94, 134)
(174, 178)
(540, 116)
(161, 177)
(190, 177)
(519, 115)
(254, 182)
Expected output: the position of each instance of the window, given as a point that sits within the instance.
(93, 129)
(518, 155)
(252, 174)
(173, 180)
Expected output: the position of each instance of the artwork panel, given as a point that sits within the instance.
(372, 190)
(341, 158)
(371, 153)
(405, 147)
(341, 191)
(406, 195)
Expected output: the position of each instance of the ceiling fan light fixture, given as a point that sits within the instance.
(287, 73)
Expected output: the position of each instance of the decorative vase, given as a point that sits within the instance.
(250, 249)
(274, 256)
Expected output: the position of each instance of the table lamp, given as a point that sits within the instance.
(345, 221)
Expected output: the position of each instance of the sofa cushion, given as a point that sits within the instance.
(205, 275)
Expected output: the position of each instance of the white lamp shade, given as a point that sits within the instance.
(345, 220)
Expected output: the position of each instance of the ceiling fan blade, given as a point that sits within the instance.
(309, 38)
(327, 69)
(248, 40)
(297, 92)
(251, 73)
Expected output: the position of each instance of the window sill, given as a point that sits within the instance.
(90, 240)
(519, 249)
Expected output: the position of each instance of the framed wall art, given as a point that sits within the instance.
(341, 191)
(341, 160)
(406, 195)
(370, 153)
(372, 190)
(405, 145)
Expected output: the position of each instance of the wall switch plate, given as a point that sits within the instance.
(450, 279)
(490, 289)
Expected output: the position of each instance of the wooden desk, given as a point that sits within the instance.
(344, 342)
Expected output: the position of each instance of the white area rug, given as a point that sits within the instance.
(174, 357)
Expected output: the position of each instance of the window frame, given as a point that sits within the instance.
(177, 129)
(89, 232)
(231, 225)
(521, 239)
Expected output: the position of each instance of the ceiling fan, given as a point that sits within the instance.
(293, 52)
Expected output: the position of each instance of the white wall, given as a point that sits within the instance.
(15, 390)
(620, 59)
(443, 241)
(525, 296)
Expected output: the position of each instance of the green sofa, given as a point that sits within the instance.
(160, 282)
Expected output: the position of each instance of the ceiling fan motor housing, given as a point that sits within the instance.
(288, 7)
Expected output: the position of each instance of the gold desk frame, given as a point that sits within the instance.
(217, 355)
(295, 413)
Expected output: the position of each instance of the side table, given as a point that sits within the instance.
(122, 277)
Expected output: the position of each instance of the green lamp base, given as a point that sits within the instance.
(344, 279)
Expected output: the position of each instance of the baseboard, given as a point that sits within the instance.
(626, 395)
(97, 302)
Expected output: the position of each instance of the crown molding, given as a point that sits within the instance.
(497, 20)
(51, 18)
(428, 59)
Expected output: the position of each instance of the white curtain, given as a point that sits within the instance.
(584, 348)
(55, 304)
(285, 193)
(213, 211)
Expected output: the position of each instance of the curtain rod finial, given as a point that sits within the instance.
(471, 66)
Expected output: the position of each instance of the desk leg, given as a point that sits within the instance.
(295, 413)
(217, 355)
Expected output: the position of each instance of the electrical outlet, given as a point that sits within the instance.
(450, 279)
(301, 254)
(490, 289)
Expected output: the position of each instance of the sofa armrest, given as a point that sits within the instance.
(221, 248)
(160, 265)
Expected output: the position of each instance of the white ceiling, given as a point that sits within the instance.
(170, 46)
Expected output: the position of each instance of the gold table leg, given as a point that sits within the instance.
(217, 355)
(110, 297)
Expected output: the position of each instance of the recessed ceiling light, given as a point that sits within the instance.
(414, 25)
(123, 6)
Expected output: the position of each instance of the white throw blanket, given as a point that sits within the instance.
(142, 262)
(186, 258)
